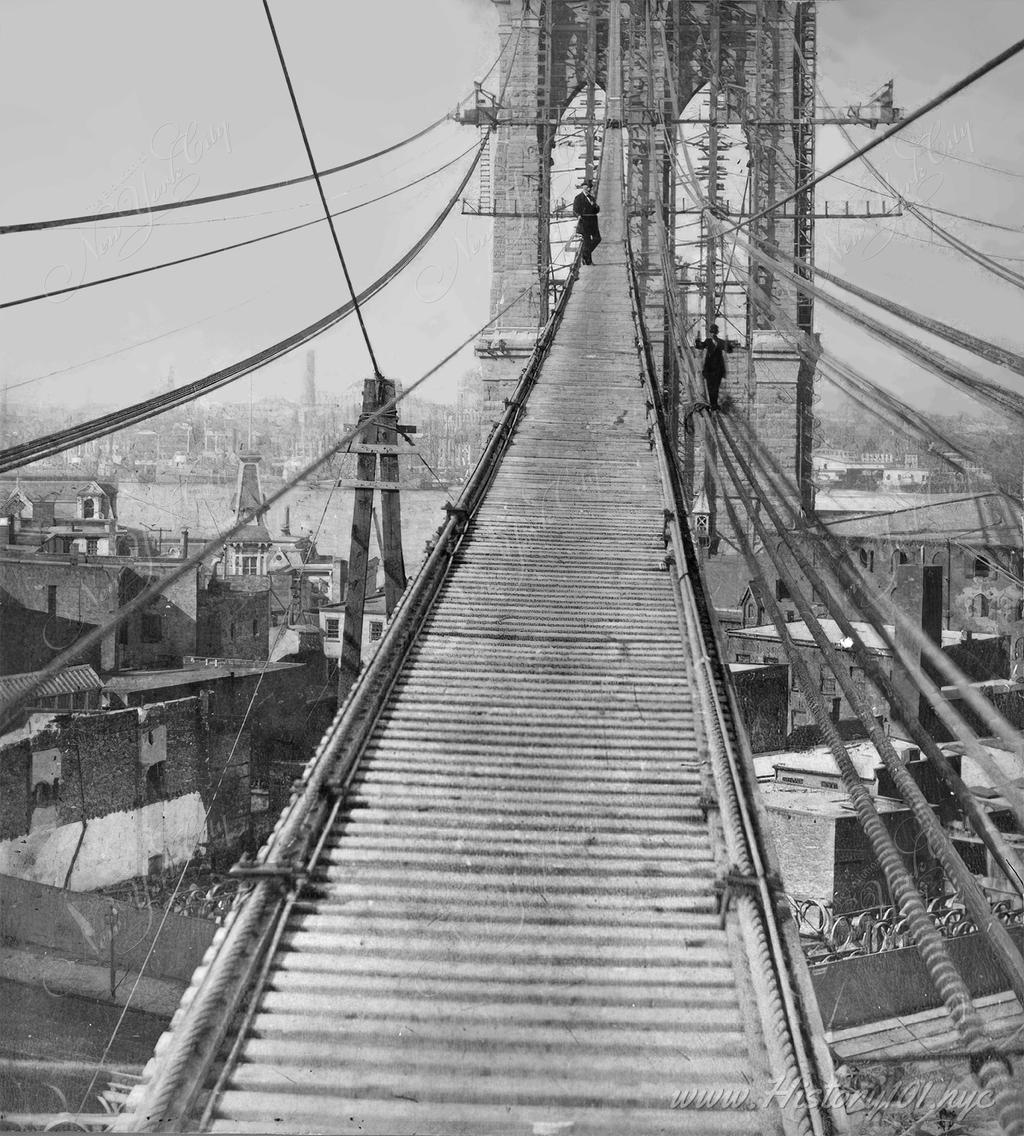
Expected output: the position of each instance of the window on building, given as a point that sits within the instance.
(64, 701)
(828, 682)
(92, 546)
(155, 867)
(982, 568)
(231, 631)
(769, 659)
(51, 599)
(980, 606)
(899, 557)
(376, 629)
(837, 705)
(866, 558)
(332, 628)
(791, 615)
(781, 590)
(152, 627)
(794, 680)
(88, 507)
(249, 565)
(155, 786)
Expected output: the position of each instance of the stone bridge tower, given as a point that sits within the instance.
(756, 60)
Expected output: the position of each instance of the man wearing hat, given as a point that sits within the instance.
(586, 208)
(715, 350)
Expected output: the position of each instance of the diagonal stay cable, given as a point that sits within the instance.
(932, 104)
(992, 1069)
(139, 602)
(320, 190)
(57, 442)
(837, 599)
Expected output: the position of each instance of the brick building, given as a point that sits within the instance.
(233, 617)
(761, 644)
(59, 515)
(93, 799)
(48, 602)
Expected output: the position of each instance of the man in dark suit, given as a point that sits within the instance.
(715, 350)
(586, 208)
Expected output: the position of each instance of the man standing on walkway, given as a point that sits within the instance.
(586, 208)
(715, 350)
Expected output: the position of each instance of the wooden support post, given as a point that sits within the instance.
(391, 508)
(376, 394)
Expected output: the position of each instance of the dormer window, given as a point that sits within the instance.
(88, 507)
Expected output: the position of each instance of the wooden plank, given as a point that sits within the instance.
(367, 483)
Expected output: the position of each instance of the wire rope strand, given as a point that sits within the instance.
(320, 191)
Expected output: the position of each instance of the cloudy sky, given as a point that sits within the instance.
(113, 103)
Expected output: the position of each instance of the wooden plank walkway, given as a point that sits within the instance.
(514, 929)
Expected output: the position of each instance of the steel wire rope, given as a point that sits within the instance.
(936, 656)
(882, 614)
(932, 104)
(959, 158)
(993, 1073)
(230, 247)
(830, 364)
(998, 396)
(168, 224)
(14, 457)
(982, 259)
(33, 226)
(761, 933)
(957, 375)
(1000, 726)
(945, 246)
(141, 342)
(206, 817)
(50, 444)
(320, 190)
(96, 636)
(980, 347)
(832, 595)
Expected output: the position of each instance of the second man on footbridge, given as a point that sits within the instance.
(586, 208)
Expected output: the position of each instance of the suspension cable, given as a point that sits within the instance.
(48, 445)
(231, 247)
(892, 625)
(932, 104)
(834, 599)
(33, 226)
(992, 1072)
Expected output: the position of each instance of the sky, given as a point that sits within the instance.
(113, 104)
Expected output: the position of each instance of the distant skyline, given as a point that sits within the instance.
(130, 108)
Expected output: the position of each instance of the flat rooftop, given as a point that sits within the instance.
(800, 633)
(127, 681)
(819, 759)
(818, 802)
